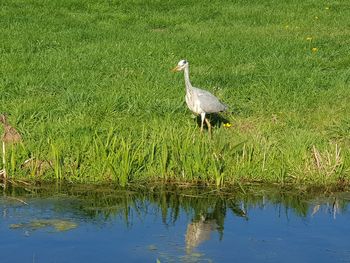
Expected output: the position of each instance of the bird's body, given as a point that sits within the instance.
(199, 101)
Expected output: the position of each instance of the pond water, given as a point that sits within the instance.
(95, 225)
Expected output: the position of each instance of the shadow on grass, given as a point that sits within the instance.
(216, 120)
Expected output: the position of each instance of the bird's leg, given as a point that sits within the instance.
(202, 120)
(208, 124)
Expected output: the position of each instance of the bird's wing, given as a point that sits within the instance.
(208, 102)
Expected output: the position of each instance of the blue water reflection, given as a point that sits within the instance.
(174, 227)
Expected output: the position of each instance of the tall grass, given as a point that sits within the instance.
(88, 85)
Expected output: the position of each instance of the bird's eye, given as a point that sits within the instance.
(185, 61)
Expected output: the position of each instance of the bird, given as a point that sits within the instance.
(199, 101)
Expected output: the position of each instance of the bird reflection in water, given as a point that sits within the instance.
(200, 229)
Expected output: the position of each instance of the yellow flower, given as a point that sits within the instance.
(309, 38)
(316, 17)
(227, 125)
(314, 49)
(327, 8)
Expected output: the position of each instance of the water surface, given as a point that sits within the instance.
(100, 225)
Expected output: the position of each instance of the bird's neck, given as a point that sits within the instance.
(187, 78)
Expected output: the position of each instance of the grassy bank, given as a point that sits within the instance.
(87, 84)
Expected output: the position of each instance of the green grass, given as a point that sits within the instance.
(88, 85)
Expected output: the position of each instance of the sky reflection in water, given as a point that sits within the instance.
(176, 226)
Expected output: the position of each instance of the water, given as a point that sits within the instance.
(89, 225)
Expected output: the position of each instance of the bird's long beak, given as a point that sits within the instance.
(176, 69)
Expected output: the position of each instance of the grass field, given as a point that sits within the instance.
(89, 87)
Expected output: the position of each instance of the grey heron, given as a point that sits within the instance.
(199, 101)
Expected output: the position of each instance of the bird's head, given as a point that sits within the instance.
(181, 65)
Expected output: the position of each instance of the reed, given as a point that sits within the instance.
(10, 137)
